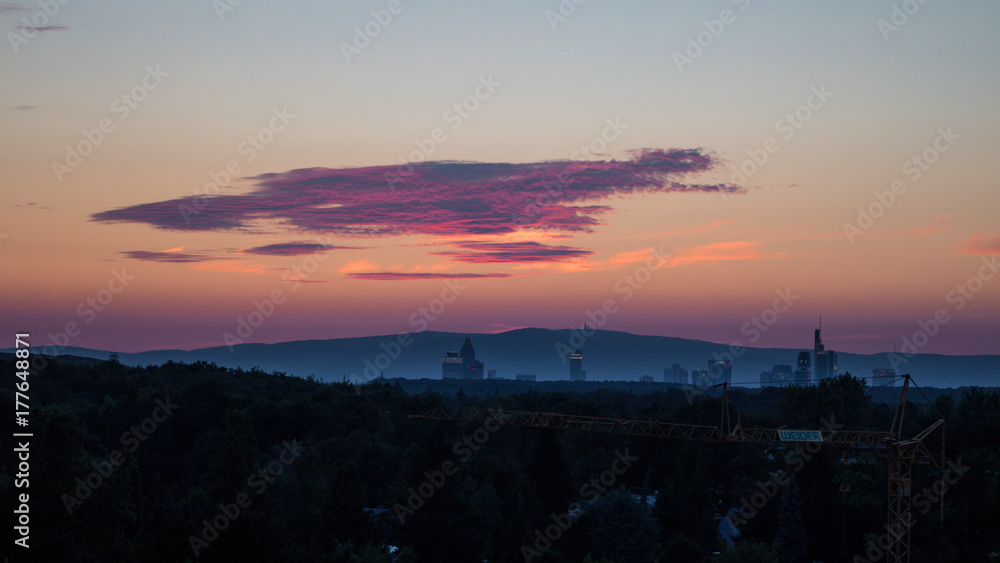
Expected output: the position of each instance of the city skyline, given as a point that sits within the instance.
(180, 176)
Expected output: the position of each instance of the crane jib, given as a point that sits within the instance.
(800, 435)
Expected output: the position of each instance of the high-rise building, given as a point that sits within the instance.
(782, 375)
(803, 373)
(883, 377)
(824, 361)
(646, 378)
(576, 372)
(721, 371)
(491, 374)
(701, 378)
(765, 378)
(451, 366)
(462, 365)
(675, 374)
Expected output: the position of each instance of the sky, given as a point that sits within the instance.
(176, 175)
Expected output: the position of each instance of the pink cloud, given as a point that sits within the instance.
(433, 198)
(980, 245)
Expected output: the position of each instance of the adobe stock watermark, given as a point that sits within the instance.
(958, 298)
(796, 460)
(914, 167)
(39, 22)
(456, 115)
(88, 310)
(588, 492)
(698, 42)
(923, 500)
(122, 107)
(563, 11)
(435, 479)
(130, 440)
(420, 320)
(224, 7)
(898, 17)
(788, 125)
(249, 149)
(257, 482)
(367, 32)
(753, 328)
(553, 190)
(626, 286)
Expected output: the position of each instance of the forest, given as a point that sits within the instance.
(196, 462)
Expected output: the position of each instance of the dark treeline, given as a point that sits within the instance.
(196, 462)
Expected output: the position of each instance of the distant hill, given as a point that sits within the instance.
(608, 355)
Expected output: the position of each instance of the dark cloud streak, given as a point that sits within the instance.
(176, 257)
(296, 248)
(500, 252)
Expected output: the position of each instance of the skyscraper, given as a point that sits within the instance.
(701, 378)
(721, 371)
(803, 373)
(883, 377)
(824, 361)
(451, 366)
(675, 374)
(765, 378)
(782, 375)
(576, 372)
(462, 365)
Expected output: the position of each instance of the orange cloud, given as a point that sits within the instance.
(231, 268)
(721, 251)
(980, 245)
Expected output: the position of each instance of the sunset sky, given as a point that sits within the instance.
(170, 168)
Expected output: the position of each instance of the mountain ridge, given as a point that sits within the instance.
(608, 355)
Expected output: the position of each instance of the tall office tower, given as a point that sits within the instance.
(824, 361)
(491, 374)
(765, 378)
(451, 366)
(468, 353)
(782, 375)
(803, 373)
(721, 371)
(470, 367)
(675, 374)
(576, 372)
(701, 378)
(883, 377)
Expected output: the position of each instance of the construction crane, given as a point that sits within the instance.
(903, 453)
